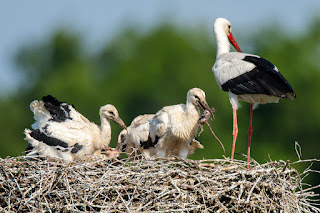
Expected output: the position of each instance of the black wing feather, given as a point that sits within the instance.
(263, 79)
(60, 111)
(149, 143)
(51, 141)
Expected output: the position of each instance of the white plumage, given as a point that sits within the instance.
(173, 128)
(230, 65)
(136, 142)
(245, 77)
(134, 139)
(61, 131)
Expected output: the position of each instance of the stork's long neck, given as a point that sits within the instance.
(105, 133)
(185, 124)
(191, 108)
(192, 113)
(223, 44)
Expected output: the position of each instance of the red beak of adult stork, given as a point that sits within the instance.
(234, 42)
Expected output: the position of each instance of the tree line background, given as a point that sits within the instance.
(140, 73)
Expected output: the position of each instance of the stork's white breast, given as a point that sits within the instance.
(231, 65)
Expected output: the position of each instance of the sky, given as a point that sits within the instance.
(29, 21)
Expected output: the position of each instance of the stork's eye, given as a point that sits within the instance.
(229, 27)
(197, 97)
(112, 113)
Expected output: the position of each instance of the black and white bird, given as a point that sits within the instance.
(173, 128)
(245, 77)
(61, 131)
(135, 141)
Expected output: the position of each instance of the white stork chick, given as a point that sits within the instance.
(173, 128)
(195, 144)
(135, 140)
(61, 131)
(245, 77)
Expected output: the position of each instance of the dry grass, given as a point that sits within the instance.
(164, 185)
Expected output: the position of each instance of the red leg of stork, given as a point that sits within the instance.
(250, 130)
(234, 132)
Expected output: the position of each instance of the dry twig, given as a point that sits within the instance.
(204, 119)
(160, 184)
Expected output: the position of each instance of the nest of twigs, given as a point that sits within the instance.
(165, 185)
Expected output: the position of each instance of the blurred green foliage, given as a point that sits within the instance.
(140, 73)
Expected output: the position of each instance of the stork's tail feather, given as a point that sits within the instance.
(290, 95)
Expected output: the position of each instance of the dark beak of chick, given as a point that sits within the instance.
(119, 121)
(205, 106)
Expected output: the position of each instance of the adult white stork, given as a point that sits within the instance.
(173, 128)
(61, 131)
(136, 142)
(245, 77)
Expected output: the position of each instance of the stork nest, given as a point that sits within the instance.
(160, 184)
